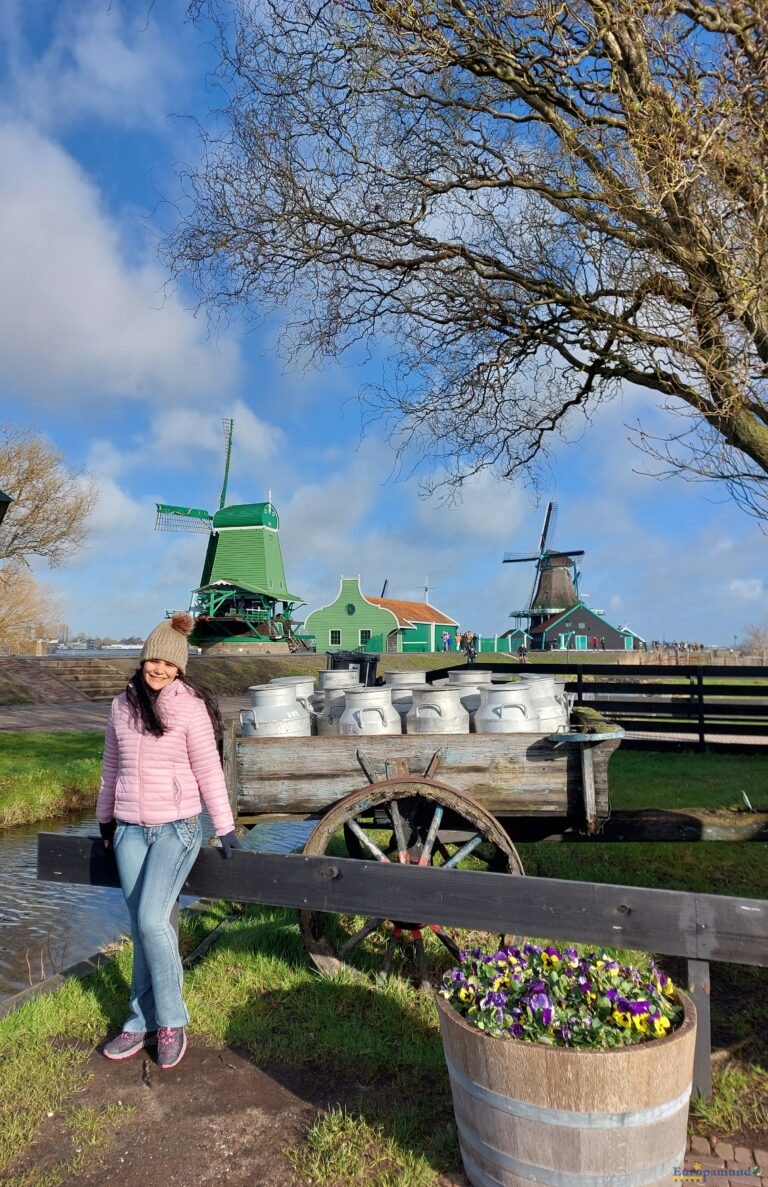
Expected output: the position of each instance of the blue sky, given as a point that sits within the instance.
(99, 352)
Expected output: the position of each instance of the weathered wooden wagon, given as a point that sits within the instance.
(449, 801)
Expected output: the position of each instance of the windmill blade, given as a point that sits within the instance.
(228, 425)
(564, 552)
(383, 593)
(512, 558)
(550, 521)
(182, 519)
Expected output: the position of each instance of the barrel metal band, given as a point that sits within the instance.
(550, 1177)
(570, 1120)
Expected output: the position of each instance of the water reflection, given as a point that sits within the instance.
(47, 926)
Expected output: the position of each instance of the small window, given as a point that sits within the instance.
(582, 626)
(365, 637)
(335, 639)
(568, 624)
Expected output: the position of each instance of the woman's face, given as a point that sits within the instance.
(157, 673)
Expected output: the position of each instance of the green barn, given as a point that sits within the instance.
(354, 621)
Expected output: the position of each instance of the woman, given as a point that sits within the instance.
(160, 756)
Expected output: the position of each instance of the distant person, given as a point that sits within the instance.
(594, 642)
(602, 642)
(522, 653)
(160, 757)
(471, 650)
(446, 641)
(475, 642)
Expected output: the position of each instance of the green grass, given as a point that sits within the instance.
(645, 779)
(46, 775)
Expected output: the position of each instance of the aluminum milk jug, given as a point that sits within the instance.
(505, 709)
(334, 705)
(370, 711)
(274, 713)
(437, 711)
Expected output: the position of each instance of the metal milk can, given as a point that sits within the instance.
(549, 702)
(469, 685)
(505, 709)
(370, 711)
(304, 687)
(402, 685)
(274, 713)
(437, 711)
(334, 705)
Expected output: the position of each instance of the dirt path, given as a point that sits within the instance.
(218, 1117)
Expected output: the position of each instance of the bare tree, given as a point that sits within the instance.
(28, 611)
(756, 641)
(535, 201)
(51, 502)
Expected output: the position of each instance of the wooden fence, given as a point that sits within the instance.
(694, 705)
(698, 927)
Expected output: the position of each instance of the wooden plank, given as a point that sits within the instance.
(230, 764)
(508, 774)
(678, 708)
(695, 926)
(699, 989)
(639, 686)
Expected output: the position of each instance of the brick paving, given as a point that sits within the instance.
(708, 1161)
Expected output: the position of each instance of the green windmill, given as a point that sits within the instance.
(242, 597)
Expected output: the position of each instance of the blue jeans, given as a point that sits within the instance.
(153, 862)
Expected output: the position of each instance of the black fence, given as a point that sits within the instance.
(690, 705)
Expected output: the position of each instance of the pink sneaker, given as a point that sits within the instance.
(171, 1045)
(127, 1043)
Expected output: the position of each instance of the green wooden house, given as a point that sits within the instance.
(355, 622)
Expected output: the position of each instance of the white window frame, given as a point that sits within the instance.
(365, 631)
(331, 641)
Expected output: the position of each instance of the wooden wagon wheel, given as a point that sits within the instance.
(414, 821)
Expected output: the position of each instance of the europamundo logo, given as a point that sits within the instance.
(700, 1174)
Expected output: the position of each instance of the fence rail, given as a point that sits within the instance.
(697, 927)
(695, 701)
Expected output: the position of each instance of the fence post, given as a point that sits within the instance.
(700, 706)
(699, 989)
(579, 684)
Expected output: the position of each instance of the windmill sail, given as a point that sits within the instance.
(182, 519)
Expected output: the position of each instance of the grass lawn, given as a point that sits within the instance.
(46, 775)
(256, 989)
(647, 779)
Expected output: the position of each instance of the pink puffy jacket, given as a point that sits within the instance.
(149, 780)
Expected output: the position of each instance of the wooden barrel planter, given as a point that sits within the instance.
(569, 1117)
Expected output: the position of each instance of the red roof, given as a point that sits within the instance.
(409, 612)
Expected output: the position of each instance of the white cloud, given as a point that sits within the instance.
(747, 590)
(78, 320)
(102, 61)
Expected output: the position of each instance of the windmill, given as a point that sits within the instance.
(242, 596)
(556, 579)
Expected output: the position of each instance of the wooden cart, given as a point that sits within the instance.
(451, 801)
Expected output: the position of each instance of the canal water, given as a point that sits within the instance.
(47, 926)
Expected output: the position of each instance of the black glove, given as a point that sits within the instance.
(107, 832)
(229, 842)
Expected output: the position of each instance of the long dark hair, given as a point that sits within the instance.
(144, 705)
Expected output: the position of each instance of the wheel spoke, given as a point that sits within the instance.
(388, 954)
(426, 853)
(397, 824)
(364, 839)
(359, 936)
(446, 941)
(465, 851)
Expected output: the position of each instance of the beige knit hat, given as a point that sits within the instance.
(168, 641)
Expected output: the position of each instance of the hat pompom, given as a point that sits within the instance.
(182, 622)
